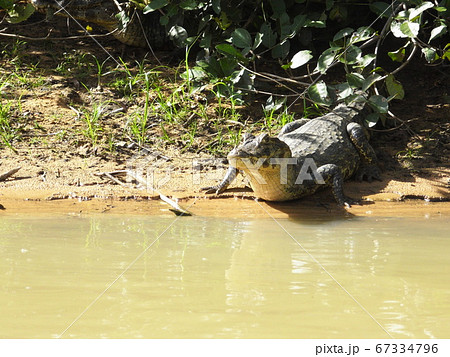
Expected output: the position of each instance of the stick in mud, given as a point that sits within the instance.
(4, 176)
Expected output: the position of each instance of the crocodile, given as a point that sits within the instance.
(306, 156)
(140, 31)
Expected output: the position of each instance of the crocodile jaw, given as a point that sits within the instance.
(265, 178)
(259, 158)
(271, 190)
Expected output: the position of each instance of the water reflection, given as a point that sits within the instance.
(223, 278)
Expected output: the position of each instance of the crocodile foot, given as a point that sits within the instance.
(213, 189)
(347, 202)
(368, 173)
(230, 175)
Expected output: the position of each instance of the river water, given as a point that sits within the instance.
(118, 276)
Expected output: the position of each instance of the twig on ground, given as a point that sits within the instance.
(176, 208)
(4, 176)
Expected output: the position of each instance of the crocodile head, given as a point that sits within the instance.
(261, 158)
(261, 148)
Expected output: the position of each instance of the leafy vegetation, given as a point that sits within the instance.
(235, 34)
(234, 48)
(237, 37)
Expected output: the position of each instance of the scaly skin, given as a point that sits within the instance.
(103, 12)
(307, 155)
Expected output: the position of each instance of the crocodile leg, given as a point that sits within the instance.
(230, 175)
(368, 168)
(292, 126)
(332, 176)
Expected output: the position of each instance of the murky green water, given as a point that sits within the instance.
(153, 277)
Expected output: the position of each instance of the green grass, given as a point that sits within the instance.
(14, 52)
(8, 131)
(138, 123)
(74, 63)
(91, 119)
(167, 107)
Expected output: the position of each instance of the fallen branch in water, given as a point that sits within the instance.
(115, 175)
(4, 176)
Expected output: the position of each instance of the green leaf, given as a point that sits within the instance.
(317, 23)
(402, 29)
(405, 29)
(410, 29)
(430, 54)
(379, 103)
(189, 5)
(205, 42)
(446, 54)
(258, 40)
(355, 80)
(355, 98)
(301, 58)
(372, 119)
(319, 94)
(227, 66)
(362, 34)
(398, 56)
(419, 9)
(394, 87)
(20, 13)
(363, 62)
(155, 5)
(7, 4)
(351, 55)
(216, 6)
(230, 51)
(178, 35)
(281, 50)
(396, 31)
(438, 31)
(343, 33)
(369, 81)
(195, 74)
(272, 105)
(325, 60)
(320, 24)
(342, 90)
(243, 79)
(223, 21)
(212, 67)
(241, 38)
(285, 27)
(299, 22)
(269, 38)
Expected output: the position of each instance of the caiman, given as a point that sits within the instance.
(306, 156)
(137, 31)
